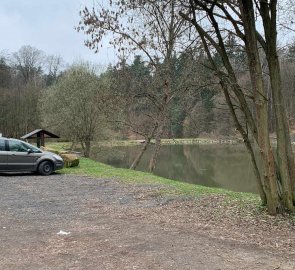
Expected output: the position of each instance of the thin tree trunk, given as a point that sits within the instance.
(83, 147)
(248, 145)
(146, 143)
(159, 134)
(87, 149)
(261, 104)
(161, 121)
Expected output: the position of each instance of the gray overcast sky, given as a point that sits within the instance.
(47, 25)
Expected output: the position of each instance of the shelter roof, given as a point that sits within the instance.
(36, 133)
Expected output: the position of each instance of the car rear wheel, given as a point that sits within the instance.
(45, 168)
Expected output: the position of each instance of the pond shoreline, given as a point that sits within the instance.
(186, 141)
(224, 165)
(173, 141)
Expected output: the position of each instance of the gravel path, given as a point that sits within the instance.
(113, 226)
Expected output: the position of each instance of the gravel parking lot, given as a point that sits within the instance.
(104, 224)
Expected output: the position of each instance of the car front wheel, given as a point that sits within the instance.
(45, 168)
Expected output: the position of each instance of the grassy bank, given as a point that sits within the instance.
(92, 168)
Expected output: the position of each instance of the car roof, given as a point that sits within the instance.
(11, 139)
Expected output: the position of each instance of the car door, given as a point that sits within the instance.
(3, 155)
(18, 157)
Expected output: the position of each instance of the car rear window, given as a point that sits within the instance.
(2, 145)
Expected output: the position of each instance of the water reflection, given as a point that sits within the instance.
(224, 166)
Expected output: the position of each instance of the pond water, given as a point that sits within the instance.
(223, 166)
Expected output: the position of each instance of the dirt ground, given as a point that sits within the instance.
(109, 225)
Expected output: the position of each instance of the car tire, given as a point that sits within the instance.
(45, 168)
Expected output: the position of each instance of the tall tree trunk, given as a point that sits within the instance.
(260, 101)
(285, 155)
(247, 143)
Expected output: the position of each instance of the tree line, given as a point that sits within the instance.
(23, 76)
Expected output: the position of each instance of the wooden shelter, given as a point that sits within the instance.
(40, 135)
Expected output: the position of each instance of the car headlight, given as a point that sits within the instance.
(57, 157)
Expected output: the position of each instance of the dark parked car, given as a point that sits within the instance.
(19, 156)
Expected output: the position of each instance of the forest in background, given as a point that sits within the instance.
(129, 95)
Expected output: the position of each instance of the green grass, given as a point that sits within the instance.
(92, 168)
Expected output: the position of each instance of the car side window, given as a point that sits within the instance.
(16, 146)
(2, 145)
(32, 148)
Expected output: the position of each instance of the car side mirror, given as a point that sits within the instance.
(29, 151)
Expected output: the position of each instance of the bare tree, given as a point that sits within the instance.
(22, 84)
(213, 21)
(53, 64)
(29, 62)
(153, 29)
